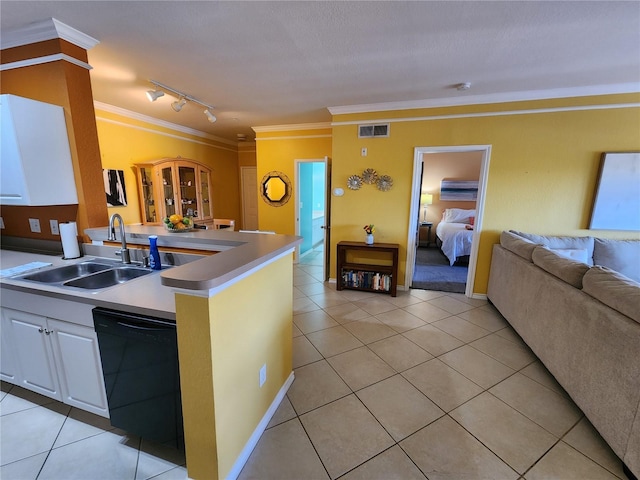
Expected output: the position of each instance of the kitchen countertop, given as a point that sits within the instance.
(153, 294)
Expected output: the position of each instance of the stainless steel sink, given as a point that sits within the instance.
(107, 278)
(61, 274)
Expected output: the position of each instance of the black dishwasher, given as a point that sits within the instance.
(140, 365)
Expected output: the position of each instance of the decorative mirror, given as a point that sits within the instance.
(275, 188)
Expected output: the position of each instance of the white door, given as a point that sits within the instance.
(249, 198)
(79, 366)
(34, 353)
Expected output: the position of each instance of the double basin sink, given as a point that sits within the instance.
(92, 274)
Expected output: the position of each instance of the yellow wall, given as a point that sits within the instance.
(542, 174)
(125, 142)
(278, 151)
(223, 341)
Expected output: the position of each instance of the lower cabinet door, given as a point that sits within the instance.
(79, 367)
(9, 369)
(33, 351)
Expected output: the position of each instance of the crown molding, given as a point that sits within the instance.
(490, 98)
(292, 127)
(47, 59)
(46, 30)
(160, 123)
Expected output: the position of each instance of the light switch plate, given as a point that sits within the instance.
(34, 223)
(1, 222)
(53, 224)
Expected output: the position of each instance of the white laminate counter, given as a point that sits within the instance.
(153, 294)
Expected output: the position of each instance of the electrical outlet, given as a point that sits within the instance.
(34, 223)
(363, 152)
(53, 224)
(263, 374)
(1, 222)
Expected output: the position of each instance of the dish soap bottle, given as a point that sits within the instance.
(154, 257)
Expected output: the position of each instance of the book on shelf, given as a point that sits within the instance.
(366, 280)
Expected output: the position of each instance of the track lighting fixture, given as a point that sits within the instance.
(183, 98)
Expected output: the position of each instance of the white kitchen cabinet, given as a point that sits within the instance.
(35, 158)
(8, 363)
(58, 359)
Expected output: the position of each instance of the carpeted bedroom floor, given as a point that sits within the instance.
(433, 272)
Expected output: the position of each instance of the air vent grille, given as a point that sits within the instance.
(370, 131)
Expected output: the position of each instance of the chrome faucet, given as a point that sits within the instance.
(124, 251)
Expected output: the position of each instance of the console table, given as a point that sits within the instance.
(367, 267)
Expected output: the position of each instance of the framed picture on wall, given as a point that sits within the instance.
(616, 204)
(114, 187)
(459, 190)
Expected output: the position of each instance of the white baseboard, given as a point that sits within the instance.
(257, 433)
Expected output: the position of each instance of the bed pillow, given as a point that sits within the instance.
(562, 243)
(623, 256)
(458, 215)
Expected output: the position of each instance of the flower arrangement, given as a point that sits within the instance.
(369, 229)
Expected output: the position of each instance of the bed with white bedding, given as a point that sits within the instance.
(454, 234)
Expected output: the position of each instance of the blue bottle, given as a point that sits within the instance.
(154, 257)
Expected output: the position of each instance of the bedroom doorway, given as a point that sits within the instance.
(469, 163)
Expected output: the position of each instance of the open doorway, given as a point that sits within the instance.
(447, 185)
(312, 215)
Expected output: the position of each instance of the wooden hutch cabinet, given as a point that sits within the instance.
(174, 185)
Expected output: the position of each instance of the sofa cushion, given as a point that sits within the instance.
(564, 268)
(562, 243)
(577, 254)
(613, 289)
(620, 255)
(518, 245)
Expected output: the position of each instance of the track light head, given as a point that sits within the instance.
(210, 116)
(177, 105)
(153, 95)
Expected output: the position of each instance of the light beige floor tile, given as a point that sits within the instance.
(537, 371)
(427, 312)
(400, 407)
(505, 351)
(304, 304)
(510, 334)
(445, 451)
(400, 320)
(369, 330)
(178, 473)
(564, 462)
(376, 305)
(345, 434)
(313, 289)
(400, 353)
(26, 469)
(333, 341)
(460, 328)
(553, 412)
(360, 367)
(297, 293)
(433, 340)
(451, 304)
(80, 425)
(476, 366)
(586, 439)
(329, 299)
(357, 295)
(107, 455)
(518, 441)
(442, 384)
(313, 321)
(486, 317)
(302, 278)
(392, 464)
(304, 352)
(22, 399)
(296, 331)
(29, 432)
(315, 385)
(425, 295)
(475, 302)
(155, 459)
(283, 413)
(346, 312)
(403, 299)
(284, 452)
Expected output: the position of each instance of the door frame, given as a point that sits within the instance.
(327, 208)
(243, 169)
(414, 210)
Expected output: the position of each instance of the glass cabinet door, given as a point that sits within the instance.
(188, 191)
(148, 201)
(205, 194)
(168, 193)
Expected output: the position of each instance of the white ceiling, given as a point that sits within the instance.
(279, 63)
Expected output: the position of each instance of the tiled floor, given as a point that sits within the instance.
(423, 385)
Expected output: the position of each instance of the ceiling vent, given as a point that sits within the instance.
(370, 131)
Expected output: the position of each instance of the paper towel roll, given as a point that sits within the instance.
(69, 240)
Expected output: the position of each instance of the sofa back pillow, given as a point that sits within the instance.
(623, 256)
(613, 289)
(565, 269)
(518, 245)
(562, 243)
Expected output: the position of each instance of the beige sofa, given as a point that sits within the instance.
(582, 320)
